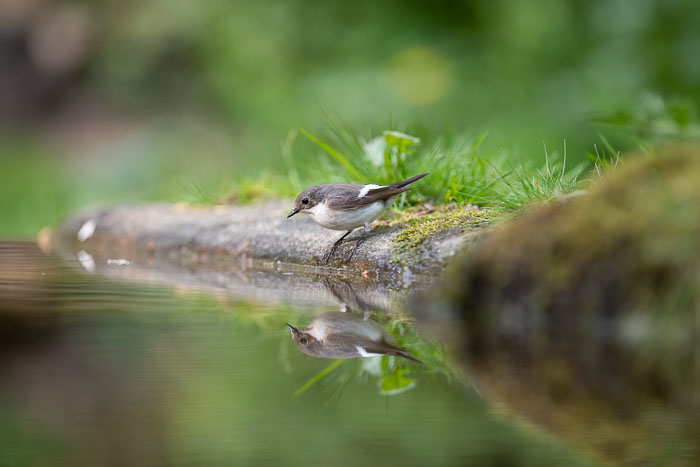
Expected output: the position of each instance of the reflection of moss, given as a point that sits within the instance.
(419, 227)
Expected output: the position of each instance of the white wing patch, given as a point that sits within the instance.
(87, 230)
(365, 189)
(363, 353)
(86, 260)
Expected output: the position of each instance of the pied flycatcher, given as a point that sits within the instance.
(347, 206)
(346, 335)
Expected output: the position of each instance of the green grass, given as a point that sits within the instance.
(40, 185)
(239, 189)
(34, 191)
(653, 119)
(461, 169)
(39, 188)
(521, 186)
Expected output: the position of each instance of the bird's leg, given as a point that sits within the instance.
(359, 240)
(327, 256)
(354, 249)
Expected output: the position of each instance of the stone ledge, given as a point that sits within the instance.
(257, 235)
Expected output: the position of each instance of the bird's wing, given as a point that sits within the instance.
(350, 199)
(367, 346)
(389, 350)
(347, 196)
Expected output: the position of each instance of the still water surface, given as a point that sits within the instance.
(97, 371)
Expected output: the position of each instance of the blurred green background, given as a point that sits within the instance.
(112, 101)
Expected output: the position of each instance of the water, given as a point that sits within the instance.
(144, 361)
(99, 370)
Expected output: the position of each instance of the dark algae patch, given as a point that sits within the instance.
(582, 315)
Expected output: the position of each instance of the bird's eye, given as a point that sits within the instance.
(303, 341)
(305, 201)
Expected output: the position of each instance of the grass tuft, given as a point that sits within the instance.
(524, 186)
(243, 189)
(460, 169)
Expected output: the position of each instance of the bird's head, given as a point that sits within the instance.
(306, 200)
(305, 341)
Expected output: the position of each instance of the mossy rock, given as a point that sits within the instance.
(583, 315)
(419, 228)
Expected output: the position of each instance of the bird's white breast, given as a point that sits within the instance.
(321, 328)
(318, 330)
(346, 219)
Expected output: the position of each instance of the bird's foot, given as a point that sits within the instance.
(329, 254)
(354, 249)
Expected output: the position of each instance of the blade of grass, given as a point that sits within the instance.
(333, 153)
(321, 374)
(477, 142)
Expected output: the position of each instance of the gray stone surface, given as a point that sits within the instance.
(253, 237)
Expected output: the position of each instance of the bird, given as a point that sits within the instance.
(347, 206)
(338, 334)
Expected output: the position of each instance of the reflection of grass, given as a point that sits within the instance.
(392, 373)
(209, 363)
(318, 377)
(395, 380)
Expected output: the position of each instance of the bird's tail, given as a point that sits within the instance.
(408, 181)
(404, 354)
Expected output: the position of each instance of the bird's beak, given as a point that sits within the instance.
(292, 329)
(292, 212)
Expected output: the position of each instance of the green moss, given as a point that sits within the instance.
(419, 226)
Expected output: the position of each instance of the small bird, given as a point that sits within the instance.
(346, 335)
(347, 206)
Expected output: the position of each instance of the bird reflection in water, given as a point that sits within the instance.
(346, 335)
